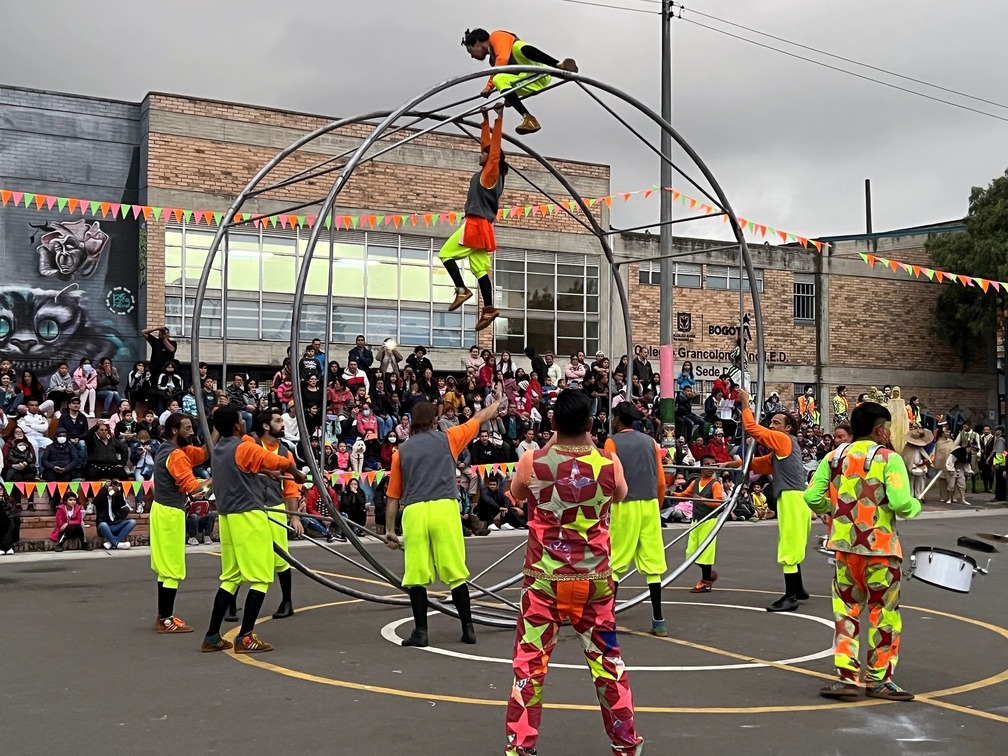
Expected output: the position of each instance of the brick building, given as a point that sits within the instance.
(552, 282)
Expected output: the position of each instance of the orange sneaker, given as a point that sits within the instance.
(702, 587)
(460, 297)
(250, 644)
(488, 316)
(171, 625)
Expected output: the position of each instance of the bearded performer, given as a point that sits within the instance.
(794, 521)
(569, 486)
(474, 239)
(174, 482)
(635, 525)
(505, 49)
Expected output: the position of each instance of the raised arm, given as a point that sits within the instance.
(491, 170)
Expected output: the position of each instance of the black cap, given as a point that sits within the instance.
(627, 413)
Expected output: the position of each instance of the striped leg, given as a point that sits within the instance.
(882, 578)
(849, 596)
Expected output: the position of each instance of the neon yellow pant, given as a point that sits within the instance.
(167, 541)
(635, 533)
(794, 523)
(432, 540)
(246, 543)
(536, 81)
(453, 249)
(278, 519)
(697, 536)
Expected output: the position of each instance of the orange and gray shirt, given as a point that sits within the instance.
(236, 464)
(173, 473)
(642, 460)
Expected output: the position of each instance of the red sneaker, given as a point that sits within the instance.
(250, 644)
(171, 625)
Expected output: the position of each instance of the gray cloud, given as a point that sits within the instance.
(790, 143)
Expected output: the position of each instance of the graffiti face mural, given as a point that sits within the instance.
(39, 328)
(71, 248)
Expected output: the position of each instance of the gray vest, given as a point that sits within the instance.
(703, 508)
(483, 202)
(273, 489)
(789, 473)
(166, 490)
(427, 468)
(636, 452)
(236, 491)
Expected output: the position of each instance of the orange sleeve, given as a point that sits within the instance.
(501, 42)
(717, 491)
(661, 472)
(686, 492)
(291, 489)
(180, 467)
(609, 446)
(762, 465)
(620, 491)
(779, 443)
(394, 490)
(460, 436)
(197, 455)
(491, 171)
(523, 473)
(252, 458)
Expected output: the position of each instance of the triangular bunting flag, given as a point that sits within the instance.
(138, 211)
(997, 285)
(74, 486)
(5, 196)
(8, 486)
(105, 208)
(62, 488)
(28, 199)
(148, 485)
(984, 284)
(16, 196)
(929, 273)
(49, 202)
(114, 209)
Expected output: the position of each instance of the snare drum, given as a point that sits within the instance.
(943, 568)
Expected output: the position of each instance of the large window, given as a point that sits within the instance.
(685, 275)
(804, 297)
(726, 277)
(378, 284)
(549, 301)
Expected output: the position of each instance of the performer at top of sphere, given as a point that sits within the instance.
(505, 49)
(794, 521)
(474, 239)
(569, 486)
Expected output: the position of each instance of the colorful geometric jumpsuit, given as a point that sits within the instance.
(567, 575)
(863, 486)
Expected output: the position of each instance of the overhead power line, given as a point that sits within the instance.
(614, 7)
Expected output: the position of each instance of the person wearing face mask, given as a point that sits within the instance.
(60, 463)
(86, 380)
(388, 446)
(367, 423)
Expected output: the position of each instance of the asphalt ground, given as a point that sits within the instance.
(82, 670)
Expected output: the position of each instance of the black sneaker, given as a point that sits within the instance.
(784, 604)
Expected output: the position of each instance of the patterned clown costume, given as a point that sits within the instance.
(863, 486)
(569, 490)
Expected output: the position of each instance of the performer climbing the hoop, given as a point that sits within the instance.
(505, 49)
(423, 479)
(173, 482)
(474, 239)
(635, 525)
(794, 520)
(569, 486)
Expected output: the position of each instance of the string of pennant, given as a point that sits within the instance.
(116, 210)
(939, 276)
(76, 486)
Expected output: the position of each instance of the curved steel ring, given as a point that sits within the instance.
(359, 156)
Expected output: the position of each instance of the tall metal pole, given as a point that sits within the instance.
(666, 406)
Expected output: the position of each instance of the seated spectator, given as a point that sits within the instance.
(108, 385)
(86, 380)
(448, 419)
(169, 387)
(120, 409)
(10, 398)
(200, 520)
(313, 401)
(74, 423)
(291, 432)
(240, 398)
(69, 523)
(388, 446)
(112, 516)
(355, 378)
(418, 361)
(342, 457)
(314, 508)
(150, 424)
(20, 464)
(353, 504)
(138, 385)
(142, 456)
(380, 502)
(528, 443)
(367, 423)
(494, 510)
(174, 406)
(60, 463)
(688, 423)
(471, 524)
(10, 524)
(62, 387)
(126, 429)
(30, 388)
(107, 456)
(402, 430)
(35, 425)
(337, 395)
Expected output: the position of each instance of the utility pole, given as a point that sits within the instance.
(666, 405)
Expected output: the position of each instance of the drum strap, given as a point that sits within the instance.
(836, 464)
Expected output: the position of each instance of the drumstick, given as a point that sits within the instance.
(928, 486)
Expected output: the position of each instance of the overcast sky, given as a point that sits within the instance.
(790, 143)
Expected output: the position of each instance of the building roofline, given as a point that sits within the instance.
(74, 95)
(927, 228)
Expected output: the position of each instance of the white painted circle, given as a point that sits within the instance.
(389, 633)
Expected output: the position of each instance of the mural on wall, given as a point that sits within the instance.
(68, 292)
